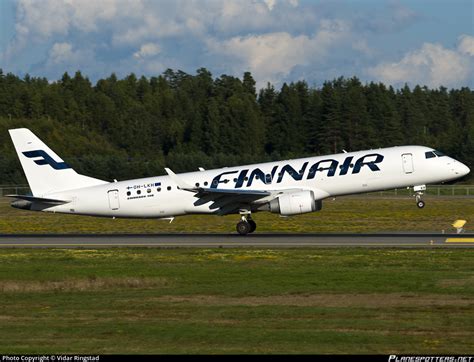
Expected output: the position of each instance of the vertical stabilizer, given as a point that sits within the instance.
(45, 171)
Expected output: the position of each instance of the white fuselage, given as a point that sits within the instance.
(325, 176)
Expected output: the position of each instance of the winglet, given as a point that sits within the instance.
(176, 179)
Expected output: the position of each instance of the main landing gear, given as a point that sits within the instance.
(246, 225)
(418, 194)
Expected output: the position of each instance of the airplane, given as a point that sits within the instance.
(287, 188)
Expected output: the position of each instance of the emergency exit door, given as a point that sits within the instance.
(407, 163)
(114, 203)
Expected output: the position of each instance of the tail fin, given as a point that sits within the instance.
(45, 171)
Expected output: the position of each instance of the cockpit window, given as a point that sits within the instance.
(434, 153)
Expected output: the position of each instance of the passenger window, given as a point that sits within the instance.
(138, 192)
(128, 193)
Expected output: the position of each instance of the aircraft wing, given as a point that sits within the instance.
(226, 201)
(257, 194)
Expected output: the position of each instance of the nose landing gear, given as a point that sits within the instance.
(246, 225)
(420, 203)
(418, 194)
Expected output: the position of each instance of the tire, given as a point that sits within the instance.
(253, 225)
(243, 227)
(420, 204)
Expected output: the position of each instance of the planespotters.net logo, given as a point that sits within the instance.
(395, 358)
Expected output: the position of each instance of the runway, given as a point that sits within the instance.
(257, 240)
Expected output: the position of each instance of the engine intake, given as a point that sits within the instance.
(295, 203)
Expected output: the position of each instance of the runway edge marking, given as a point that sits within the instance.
(459, 240)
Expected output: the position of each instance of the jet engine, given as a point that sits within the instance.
(295, 203)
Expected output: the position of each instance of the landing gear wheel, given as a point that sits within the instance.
(243, 227)
(253, 225)
(419, 194)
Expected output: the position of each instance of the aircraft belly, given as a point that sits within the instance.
(133, 207)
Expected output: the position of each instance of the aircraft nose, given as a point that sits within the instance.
(461, 169)
(464, 169)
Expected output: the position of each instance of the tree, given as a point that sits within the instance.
(329, 135)
(129, 127)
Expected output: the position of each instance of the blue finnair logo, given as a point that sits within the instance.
(46, 159)
(329, 165)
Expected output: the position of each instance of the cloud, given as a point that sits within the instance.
(363, 47)
(431, 65)
(64, 56)
(390, 18)
(277, 40)
(138, 21)
(273, 56)
(45, 18)
(127, 33)
(61, 52)
(466, 44)
(271, 3)
(147, 50)
(33, 24)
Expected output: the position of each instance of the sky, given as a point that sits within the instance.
(426, 42)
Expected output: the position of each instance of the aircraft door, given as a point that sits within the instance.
(407, 163)
(114, 203)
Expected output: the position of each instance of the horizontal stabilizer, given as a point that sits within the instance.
(39, 199)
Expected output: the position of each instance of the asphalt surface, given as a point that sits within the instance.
(234, 240)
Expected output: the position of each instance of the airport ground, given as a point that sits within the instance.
(142, 300)
(238, 300)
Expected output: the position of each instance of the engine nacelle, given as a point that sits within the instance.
(295, 203)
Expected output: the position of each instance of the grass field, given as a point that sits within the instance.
(237, 301)
(345, 214)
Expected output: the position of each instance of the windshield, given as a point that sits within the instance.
(434, 153)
